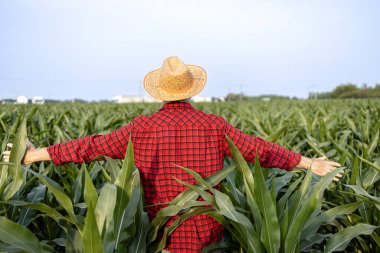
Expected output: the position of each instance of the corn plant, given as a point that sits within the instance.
(55, 209)
(111, 218)
(263, 224)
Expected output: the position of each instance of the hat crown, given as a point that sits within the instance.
(174, 65)
(175, 75)
(175, 80)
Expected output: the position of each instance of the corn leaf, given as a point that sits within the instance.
(297, 200)
(284, 199)
(248, 183)
(123, 183)
(90, 194)
(328, 216)
(213, 180)
(185, 197)
(374, 143)
(78, 185)
(340, 240)
(242, 165)
(309, 207)
(59, 194)
(42, 207)
(371, 176)
(129, 214)
(197, 177)
(105, 206)
(17, 154)
(360, 191)
(173, 210)
(113, 168)
(270, 230)
(36, 195)
(206, 196)
(355, 171)
(139, 243)
(91, 239)
(17, 235)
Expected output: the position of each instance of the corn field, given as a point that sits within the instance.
(99, 207)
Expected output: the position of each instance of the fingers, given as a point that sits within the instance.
(338, 176)
(327, 167)
(331, 168)
(324, 158)
(7, 154)
(6, 158)
(335, 164)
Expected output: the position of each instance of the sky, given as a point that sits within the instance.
(97, 49)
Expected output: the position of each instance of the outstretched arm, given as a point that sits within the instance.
(269, 154)
(85, 149)
(272, 155)
(80, 150)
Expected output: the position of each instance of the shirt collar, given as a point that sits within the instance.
(176, 105)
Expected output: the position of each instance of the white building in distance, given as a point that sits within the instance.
(21, 100)
(133, 99)
(38, 100)
(201, 99)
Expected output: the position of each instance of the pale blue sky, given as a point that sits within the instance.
(96, 49)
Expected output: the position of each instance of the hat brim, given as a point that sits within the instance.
(151, 85)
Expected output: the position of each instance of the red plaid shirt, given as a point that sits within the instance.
(176, 134)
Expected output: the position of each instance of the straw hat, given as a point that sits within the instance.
(175, 80)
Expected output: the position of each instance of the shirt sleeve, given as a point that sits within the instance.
(270, 154)
(85, 149)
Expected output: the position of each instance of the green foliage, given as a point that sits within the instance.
(349, 91)
(18, 236)
(89, 220)
(76, 208)
(243, 97)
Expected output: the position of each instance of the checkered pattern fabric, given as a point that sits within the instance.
(176, 134)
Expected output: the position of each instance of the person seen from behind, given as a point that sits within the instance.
(177, 134)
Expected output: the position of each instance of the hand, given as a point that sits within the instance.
(29, 147)
(321, 166)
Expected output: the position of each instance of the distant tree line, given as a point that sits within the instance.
(348, 91)
(243, 97)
